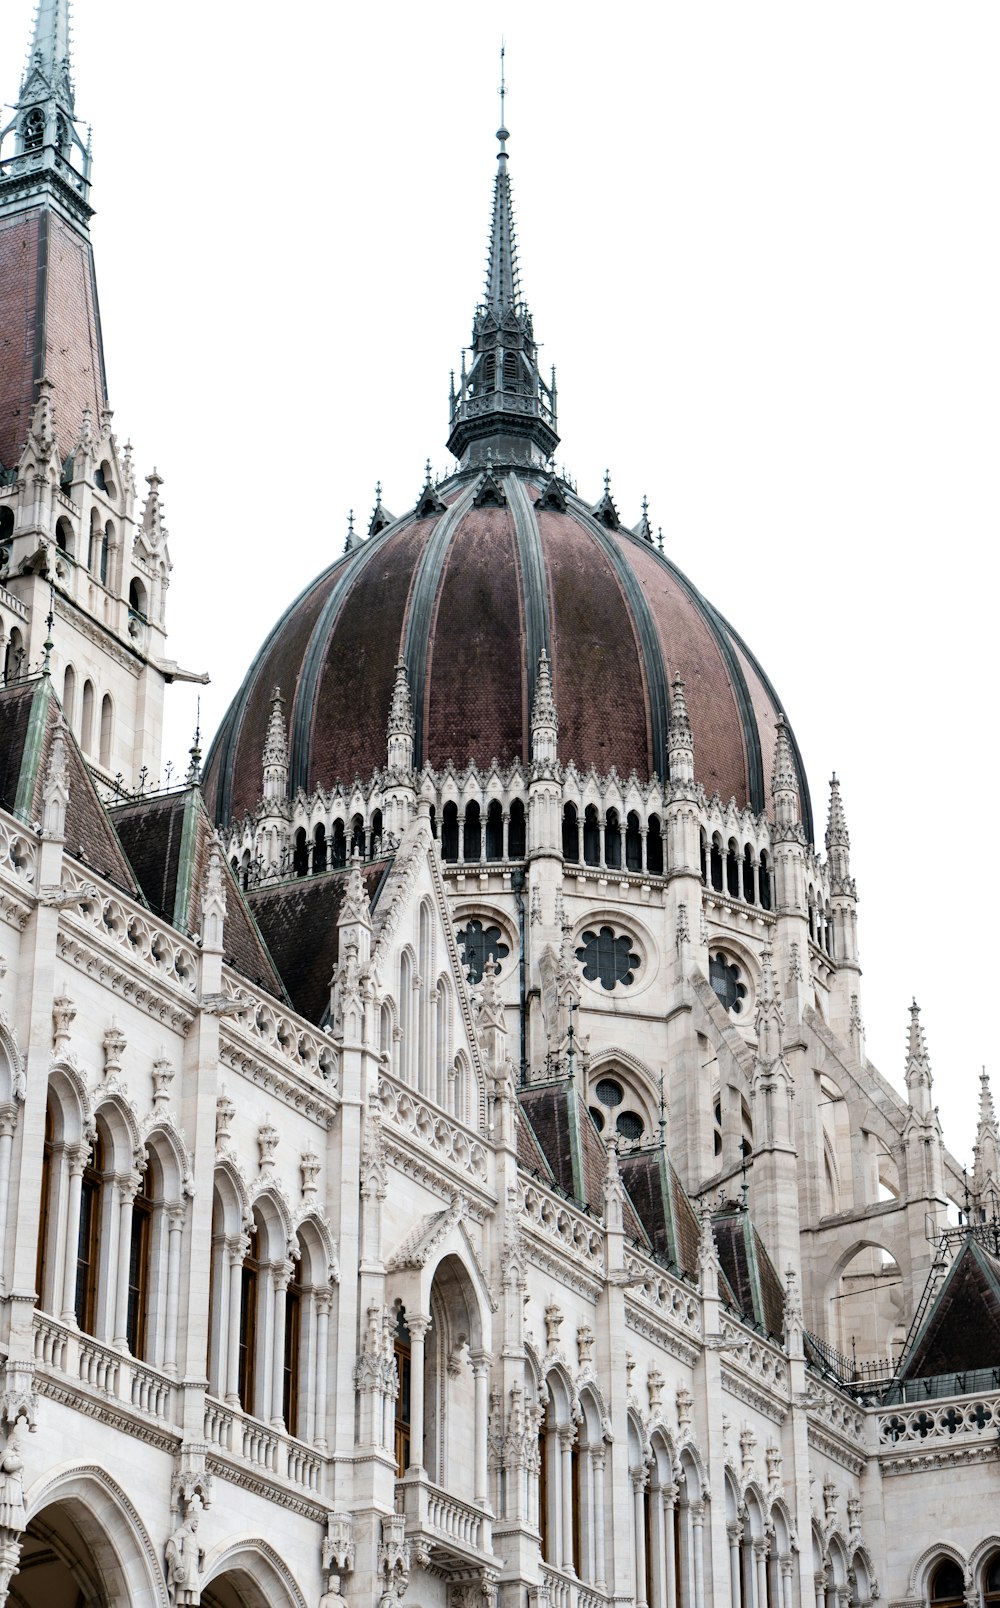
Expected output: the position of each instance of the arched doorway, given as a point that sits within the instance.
(68, 1559)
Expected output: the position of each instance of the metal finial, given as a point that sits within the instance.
(663, 1117)
(607, 480)
(427, 471)
(50, 622)
(503, 92)
(194, 769)
(378, 491)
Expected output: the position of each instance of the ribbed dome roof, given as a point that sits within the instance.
(497, 563)
(468, 595)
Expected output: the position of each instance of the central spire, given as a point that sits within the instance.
(46, 138)
(503, 411)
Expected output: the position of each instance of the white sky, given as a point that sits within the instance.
(761, 245)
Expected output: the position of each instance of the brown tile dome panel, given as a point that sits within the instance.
(351, 704)
(597, 675)
(690, 648)
(239, 746)
(475, 693)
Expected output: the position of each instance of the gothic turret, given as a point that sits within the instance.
(502, 405)
(986, 1170)
(845, 1003)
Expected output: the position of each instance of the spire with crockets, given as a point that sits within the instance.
(44, 126)
(502, 406)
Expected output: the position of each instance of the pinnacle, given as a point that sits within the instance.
(783, 778)
(276, 741)
(543, 708)
(836, 831)
(401, 707)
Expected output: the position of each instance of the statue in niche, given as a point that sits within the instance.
(185, 1557)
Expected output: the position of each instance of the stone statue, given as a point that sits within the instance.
(185, 1558)
(332, 1596)
(12, 1483)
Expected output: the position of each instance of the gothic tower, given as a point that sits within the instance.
(83, 569)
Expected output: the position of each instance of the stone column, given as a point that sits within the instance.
(481, 1376)
(669, 1545)
(8, 1122)
(639, 1525)
(323, 1303)
(280, 1274)
(820, 1587)
(566, 1493)
(760, 1559)
(597, 1460)
(735, 1533)
(418, 1326)
(237, 1246)
(175, 1214)
(77, 1156)
(505, 846)
(128, 1188)
(787, 1567)
(698, 1548)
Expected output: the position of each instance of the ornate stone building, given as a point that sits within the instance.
(439, 1161)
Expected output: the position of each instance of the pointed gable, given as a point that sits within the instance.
(168, 839)
(29, 711)
(961, 1331)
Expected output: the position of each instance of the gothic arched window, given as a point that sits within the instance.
(449, 833)
(570, 833)
(494, 830)
(517, 839)
(591, 837)
(89, 1238)
(633, 843)
(654, 846)
(612, 840)
(472, 833)
(947, 1585)
(249, 1295)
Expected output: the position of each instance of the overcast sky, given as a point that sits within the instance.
(761, 246)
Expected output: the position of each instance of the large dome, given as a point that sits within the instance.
(495, 564)
(490, 568)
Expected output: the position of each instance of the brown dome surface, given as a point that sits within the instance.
(468, 596)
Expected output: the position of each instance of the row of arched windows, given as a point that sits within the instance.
(499, 835)
(820, 920)
(742, 874)
(93, 732)
(607, 841)
(329, 851)
(947, 1583)
(109, 1262)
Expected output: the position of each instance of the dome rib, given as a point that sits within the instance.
(305, 700)
(534, 581)
(805, 800)
(420, 612)
(653, 667)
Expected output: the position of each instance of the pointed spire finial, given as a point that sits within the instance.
(193, 777)
(275, 756)
(836, 830)
(544, 716)
(55, 792)
(919, 1078)
(400, 729)
(48, 644)
(784, 783)
(986, 1150)
(680, 741)
(770, 1017)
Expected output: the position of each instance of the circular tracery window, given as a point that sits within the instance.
(607, 959)
(479, 943)
(727, 980)
(630, 1126)
(609, 1092)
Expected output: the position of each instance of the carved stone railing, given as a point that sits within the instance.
(444, 1520)
(454, 1143)
(61, 1350)
(268, 1026)
(151, 943)
(562, 1588)
(950, 1421)
(17, 855)
(756, 1356)
(666, 1294)
(839, 1412)
(570, 1228)
(250, 1441)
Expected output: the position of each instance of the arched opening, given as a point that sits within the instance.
(137, 597)
(33, 129)
(13, 659)
(732, 870)
(319, 847)
(375, 838)
(749, 892)
(87, 718)
(452, 1358)
(403, 1354)
(991, 1579)
(104, 479)
(107, 542)
(633, 843)
(591, 836)
(612, 840)
(338, 845)
(449, 832)
(68, 1560)
(472, 833)
(866, 1307)
(300, 854)
(517, 836)
(654, 846)
(494, 830)
(764, 880)
(717, 863)
(358, 835)
(107, 716)
(64, 536)
(251, 1289)
(69, 696)
(947, 1585)
(570, 834)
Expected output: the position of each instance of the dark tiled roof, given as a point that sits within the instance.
(168, 841)
(618, 619)
(299, 923)
(749, 1271)
(577, 1160)
(29, 712)
(962, 1330)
